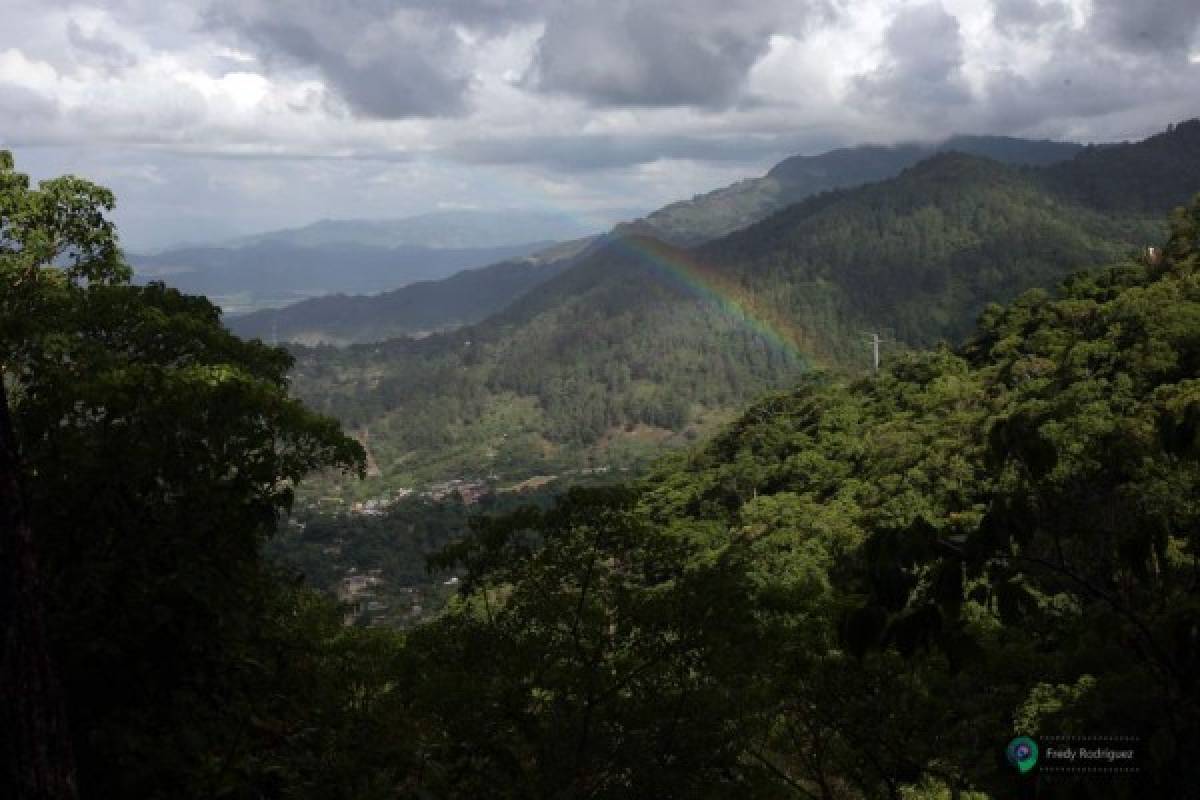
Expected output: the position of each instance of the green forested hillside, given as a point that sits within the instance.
(552, 383)
(474, 295)
(596, 376)
(861, 588)
(641, 344)
(1144, 175)
(867, 588)
(923, 253)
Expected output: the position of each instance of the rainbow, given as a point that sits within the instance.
(709, 285)
(714, 286)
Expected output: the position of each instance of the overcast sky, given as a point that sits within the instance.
(211, 118)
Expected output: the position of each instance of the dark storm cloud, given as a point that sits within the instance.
(385, 60)
(921, 74)
(1090, 74)
(402, 79)
(341, 17)
(656, 53)
(490, 15)
(504, 83)
(1070, 88)
(1147, 25)
(1128, 55)
(401, 59)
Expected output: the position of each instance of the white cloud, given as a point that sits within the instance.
(395, 106)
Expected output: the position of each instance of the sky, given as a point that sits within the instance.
(213, 118)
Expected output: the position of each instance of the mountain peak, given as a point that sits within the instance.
(959, 163)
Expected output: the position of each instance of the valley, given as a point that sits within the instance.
(636, 332)
(635, 348)
(419, 308)
(583, 400)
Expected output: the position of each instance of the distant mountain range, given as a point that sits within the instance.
(416, 309)
(641, 342)
(270, 273)
(471, 297)
(440, 230)
(364, 256)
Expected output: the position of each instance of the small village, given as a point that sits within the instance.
(370, 596)
(470, 491)
(361, 595)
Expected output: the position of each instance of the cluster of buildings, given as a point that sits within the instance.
(357, 593)
(360, 592)
(370, 508)
(471, 491)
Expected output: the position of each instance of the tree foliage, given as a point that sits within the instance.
(156, 451)
(860, 589)
(865, 589)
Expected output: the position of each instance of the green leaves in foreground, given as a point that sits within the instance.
(157, 451)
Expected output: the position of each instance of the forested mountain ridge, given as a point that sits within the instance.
(1146, 175)
(720, 212)
(464, 299)
(922, 254)
(640, 333)
(955, 231)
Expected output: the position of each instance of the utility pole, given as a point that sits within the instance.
(875, 341)
(275, 329)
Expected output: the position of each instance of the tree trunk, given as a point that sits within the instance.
(38, 760)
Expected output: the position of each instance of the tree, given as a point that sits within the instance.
(39, 761)
(584, 660)
(61, 218)
(156, 451)
(863, 589)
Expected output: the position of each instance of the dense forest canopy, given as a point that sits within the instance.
(860, 588)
